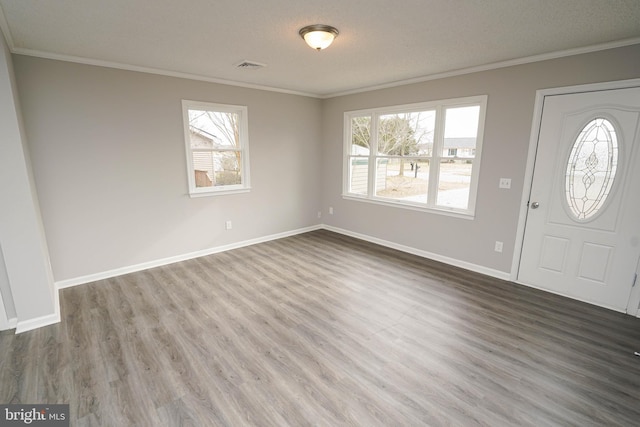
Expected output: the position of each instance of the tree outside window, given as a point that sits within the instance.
(217, 147)
(421, 156)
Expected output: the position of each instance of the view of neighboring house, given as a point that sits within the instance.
(203, 164)
(459, 147)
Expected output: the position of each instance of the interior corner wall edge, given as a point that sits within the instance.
(108, 154)
(24, 249)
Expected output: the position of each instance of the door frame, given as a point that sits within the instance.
(5, 322)
(634, 300)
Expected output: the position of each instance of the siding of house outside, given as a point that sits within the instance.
(359, 173)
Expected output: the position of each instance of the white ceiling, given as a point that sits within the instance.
(381, 42)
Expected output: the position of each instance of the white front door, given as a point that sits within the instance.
(582, 233)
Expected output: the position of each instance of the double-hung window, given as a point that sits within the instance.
(217, 148)
(420, 156)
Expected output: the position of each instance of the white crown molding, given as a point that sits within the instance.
(4, 27)
(149, 70)
(492, 66)
(452, 73)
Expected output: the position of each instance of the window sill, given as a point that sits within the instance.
(415, 207)
(208, 193)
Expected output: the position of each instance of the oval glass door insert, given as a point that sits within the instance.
(591, 168)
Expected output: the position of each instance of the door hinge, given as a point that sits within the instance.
(635, 279)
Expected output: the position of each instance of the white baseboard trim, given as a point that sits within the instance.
(178, 258)
(35, 323)
(424, 254)
(5, 322)
(9, 324)
(38, 322)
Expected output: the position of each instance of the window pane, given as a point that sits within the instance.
(406, 134)
(454, 183)
(402, 179)
(360, 135)
(359, 175)
(460, 132)
(213, 168)
(213, 129)
(395, 154)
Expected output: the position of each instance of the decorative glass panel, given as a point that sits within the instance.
(591, 168)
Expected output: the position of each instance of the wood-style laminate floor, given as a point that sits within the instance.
(325, 330)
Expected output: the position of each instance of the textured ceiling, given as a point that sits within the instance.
(381, 41)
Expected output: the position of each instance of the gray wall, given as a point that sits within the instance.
(108, 154)
(509, 116)
(107, 148)
(26, 282)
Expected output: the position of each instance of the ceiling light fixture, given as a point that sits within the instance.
(318, 36)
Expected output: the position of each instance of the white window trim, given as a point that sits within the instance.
(430, 206)
(243, 131)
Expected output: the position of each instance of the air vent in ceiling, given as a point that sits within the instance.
(250, 65)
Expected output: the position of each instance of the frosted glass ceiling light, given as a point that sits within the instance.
(318, 36)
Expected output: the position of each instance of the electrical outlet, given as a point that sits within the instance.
(319, 214)
(228, 225)
(498, 246)
(505, 183)
(330, 210)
